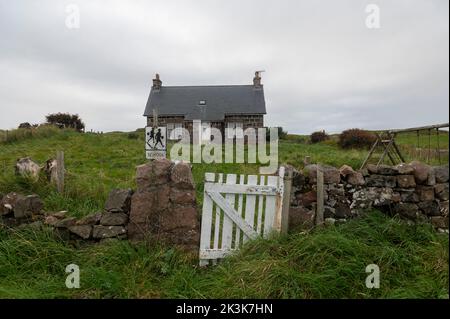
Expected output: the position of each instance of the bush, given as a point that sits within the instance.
(66, 120)
(133, 135)
(25, 125)
(318, 137)
(356, 138)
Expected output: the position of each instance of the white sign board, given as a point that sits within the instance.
(155, 142)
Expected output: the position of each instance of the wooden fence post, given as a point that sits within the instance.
(60, 171)
(320, 196)
(286, 200)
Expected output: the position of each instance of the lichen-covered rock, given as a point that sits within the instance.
(113, 219)
(7, 204)
(27, 168)
(381, 181)
(441, 191)
(100, 231)
(181, 176)
(356, 179)
(92, 219)
(430, 208)
(27, 206)
(406, 181)
(404, 169)
(331, 174)
(407, 210)
(426, 193)
(439, 221)
(441, 173)
(82, 231)
(152, 174)
(182, 197)
(119, 200)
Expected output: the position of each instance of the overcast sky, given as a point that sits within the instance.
(324, 68)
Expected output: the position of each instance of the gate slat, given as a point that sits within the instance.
(205, 237)
(270, 206)
(217, 221)
(240, 211)
(250, 204)
(262, 181)
(227, 229)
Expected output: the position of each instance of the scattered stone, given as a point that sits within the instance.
(119, 200)
(113, 219)
(27, 206)
(27, 168)
(66, 222)
(59, 215)
(50, 220)
(92, 219)
(406, 181)
(7, 203)
(441, 173)
(83, 231)
(330, 221)
(100, 231)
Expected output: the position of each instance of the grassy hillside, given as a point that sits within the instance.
(325, 263)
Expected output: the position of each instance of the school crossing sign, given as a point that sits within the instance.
(155, 142)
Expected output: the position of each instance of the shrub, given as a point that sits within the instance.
(318, 137)
(25, 125)
(356, 138)
(66, 120)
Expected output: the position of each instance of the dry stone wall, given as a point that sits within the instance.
(162, 208)
(415, 191)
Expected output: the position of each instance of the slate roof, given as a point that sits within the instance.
(220, 100)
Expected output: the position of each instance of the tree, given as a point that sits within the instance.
(66, 120)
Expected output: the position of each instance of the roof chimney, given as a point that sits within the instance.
(257, 79)
(157, 83)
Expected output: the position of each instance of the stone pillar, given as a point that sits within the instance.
(164, 208)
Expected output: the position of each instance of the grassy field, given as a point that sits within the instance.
(325, 263)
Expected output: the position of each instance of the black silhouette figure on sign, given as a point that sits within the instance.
(159, 138)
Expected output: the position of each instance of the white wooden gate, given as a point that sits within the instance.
(237, 210)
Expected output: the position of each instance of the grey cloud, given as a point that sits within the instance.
(324, 68)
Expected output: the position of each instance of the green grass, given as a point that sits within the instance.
(325, 263)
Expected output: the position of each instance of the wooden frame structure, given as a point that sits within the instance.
(386, 140)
